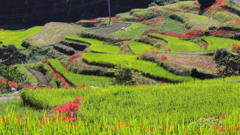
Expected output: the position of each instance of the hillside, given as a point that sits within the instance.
(151, 70)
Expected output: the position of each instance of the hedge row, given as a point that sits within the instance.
(77, 79)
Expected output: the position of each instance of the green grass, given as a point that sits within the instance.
(78, 79)
(139, 48)
(147, 68)
(217, 42)
(96, 46)
(132, 31)
(16, 37)
(176, 45)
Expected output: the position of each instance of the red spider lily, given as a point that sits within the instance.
(164, 57)
(120, 125)
(218, 2)
(44, 61)
(115, 19)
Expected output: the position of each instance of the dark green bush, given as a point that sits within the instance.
(64, 49)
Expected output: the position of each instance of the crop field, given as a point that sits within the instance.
(176, 44)
(16, 37)
(148, 79)
(53, 32)
(217, 42)
(96, 46)
(139, 48)
(77, 79)
(162, 109)
(148, 68)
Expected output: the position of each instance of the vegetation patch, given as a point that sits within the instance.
(16, 38)
(175, 44)
(77, 79)
(217, 42)
(96, 46)
(139, 48)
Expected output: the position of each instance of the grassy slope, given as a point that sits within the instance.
(216, 42)
(139, 48)
(16, 38)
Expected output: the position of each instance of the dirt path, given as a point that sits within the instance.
(109, 29)
(40, 77)
(5, 99)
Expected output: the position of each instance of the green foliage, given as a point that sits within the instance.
(231, 25)
(123, 75)
(139, 48)
(11, 74)
(176, 45)
(77, 79)
(217, 42)
(16, 38)
(96, 46)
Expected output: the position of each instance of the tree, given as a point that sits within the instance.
(11, 74)
(206, 3)
(228, 62)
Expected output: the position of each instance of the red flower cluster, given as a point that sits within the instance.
(218, 2)
(235, 47)
(153, 22)
(139, 16)
(69, 108)
(164, 57)
(44, 61)
(194, 32)
(59, 77)
(92, 20)
(155, 10)
(115, 19)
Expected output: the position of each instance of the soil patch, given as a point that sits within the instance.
(40, 76)
(194, 60)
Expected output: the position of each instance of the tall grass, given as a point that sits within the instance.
(139, 48)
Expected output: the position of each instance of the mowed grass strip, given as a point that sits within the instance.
(96, 46)
(147, 68)
(139, 48)
(176, 44)
(78, 79)
(217, 42)
(16, 38)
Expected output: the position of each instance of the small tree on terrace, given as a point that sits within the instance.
(206, 3)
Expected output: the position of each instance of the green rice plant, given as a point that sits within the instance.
(96, 46)
(188, 108)
(30, 77)
(78, 79)
(139, 48)
(16, 38)
(147, 68)
(175, 44)
(217, 42)
(135, 29)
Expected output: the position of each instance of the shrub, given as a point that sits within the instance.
(64, 49)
